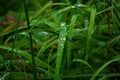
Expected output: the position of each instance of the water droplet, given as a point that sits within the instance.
(73, 6)
(78, 5)
(63, 24)
(86, 23)
(77, 29)
(23, 33)
(44, 33)
(63, 39)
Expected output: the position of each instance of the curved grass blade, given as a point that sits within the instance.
(27, 56)
(113, 41)
(52, 25)
(72, 25)
(102, 67)
(72, 7)
(84, 62)
(61, 42)
(41, 10)
(92, 19)
(109, 75)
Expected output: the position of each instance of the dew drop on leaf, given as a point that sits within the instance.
(63, 24)
(73, 6)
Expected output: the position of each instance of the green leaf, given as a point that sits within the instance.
(70, 35)
(109, 75)
(61, 41)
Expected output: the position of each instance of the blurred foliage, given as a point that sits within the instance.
(73, 40)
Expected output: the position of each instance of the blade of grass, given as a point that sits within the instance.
(64, 9)
(90, 31)
(41, 10)
(84, 62)
(31, 42)
(117, 19)
(109, 75)
(102, 67)
(52, 25)
(72, 7)
(72, 25)
(70, 35)
(61, 41)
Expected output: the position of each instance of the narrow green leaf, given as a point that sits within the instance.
(72, 25)
(63, 10)
(84, 62)
(109, 75)
(53, 25)
(61, 41)
(72, 7)
(90, 30)
(70, 34)
(41, 10)
(91, 24)
(102, 67)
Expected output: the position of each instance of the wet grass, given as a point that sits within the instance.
(65, 40)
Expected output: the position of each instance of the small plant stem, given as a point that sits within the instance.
(31, 43)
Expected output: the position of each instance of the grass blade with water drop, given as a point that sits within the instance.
(61, 42)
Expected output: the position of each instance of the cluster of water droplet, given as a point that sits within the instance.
(78, 5)
(63, 34)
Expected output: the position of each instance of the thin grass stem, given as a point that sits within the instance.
(31, 43)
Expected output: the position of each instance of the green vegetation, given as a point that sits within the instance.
(60, 40)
